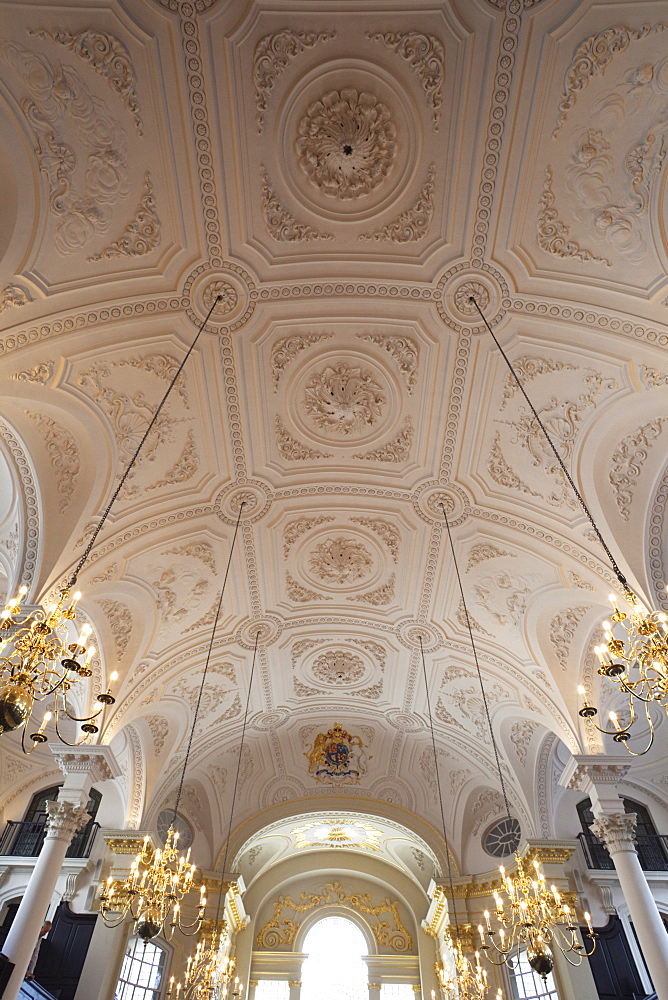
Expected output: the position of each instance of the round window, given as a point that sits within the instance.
(181, 826)
(503, 838)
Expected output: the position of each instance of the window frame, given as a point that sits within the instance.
(511, 983)
(134, 949)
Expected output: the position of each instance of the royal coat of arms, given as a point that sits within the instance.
(336, 757)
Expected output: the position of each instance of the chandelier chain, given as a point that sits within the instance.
(613, 562)
(223, 891)
(208, 659)
(115, 494)
(477, 664)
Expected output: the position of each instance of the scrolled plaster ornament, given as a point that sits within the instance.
(295, 529)
(553, 234)
(285, 350)
(281, 224)
(109, 58)
(340, 560)
(380, 596)
(343, 400)
(387, 532)
(13, 296)
(404, 351)
(39, 373)
(300, 594)
(119, 618)
(412, 224)
(521, 734)
(486, 550)
(62, 449)
(627, 462)
(562, 629)
(346, 143)
(502, 473)
(292, 449)
(142, 233)
(463, 294)
(159, 731)
(425, 55)
(396, 450)
(591, 58)
(272, 55)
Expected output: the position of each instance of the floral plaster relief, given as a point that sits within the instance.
(342, 400)
(346, 143)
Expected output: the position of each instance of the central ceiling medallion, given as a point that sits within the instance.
(340, 560)
(338, 666)
(342, 400)
(338, 833)
(346, 143)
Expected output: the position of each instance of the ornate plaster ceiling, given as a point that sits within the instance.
(344, 176)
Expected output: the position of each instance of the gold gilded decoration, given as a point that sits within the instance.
(282, 929)
(336, 757)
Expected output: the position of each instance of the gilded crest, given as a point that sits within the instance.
(336, 757)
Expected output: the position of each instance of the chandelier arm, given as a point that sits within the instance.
(477, 664)
(613, 562)
(114, 496)
(222, 894)
(208, 657)
(438, 786)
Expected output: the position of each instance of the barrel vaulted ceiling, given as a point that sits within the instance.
(344, 175)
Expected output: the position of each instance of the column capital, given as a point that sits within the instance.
(617, 831)
(99, 762)
(64, 819)
(584, 771)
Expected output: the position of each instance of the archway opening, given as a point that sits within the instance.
(334, 966)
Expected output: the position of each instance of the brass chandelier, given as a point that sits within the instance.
(159, 879)
(41, 657)
(533, 916)
(210, 968)
(466, 981)
(635, 653)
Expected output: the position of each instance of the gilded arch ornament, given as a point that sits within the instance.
(282, 929)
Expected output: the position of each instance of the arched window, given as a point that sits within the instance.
(525, 984)
(30, 833)
(651, 852)
(334, 967)
(143, 973)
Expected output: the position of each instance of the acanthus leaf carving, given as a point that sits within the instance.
(403, 350)
(141, 234)
(343, 400)
(62, 104)
(426, 56)
(627, 462)
(340, 560)
(62, 450)
(292, 449)
(295, 529)
(412, 224)
(553, 234)
(591, 58)
(120, 622)
(272, 55)
(562, 630)
(502, 473)
(39, 373)
(300, 594)
(380, 596)
(388, 533)
(286, 350)
(396, 450)
(13, 296)
(281, 224)
(486, 550)
(109, 58)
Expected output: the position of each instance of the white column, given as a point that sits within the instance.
(82, 768)
(295, 988)
(597, 775)
(374, 991)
